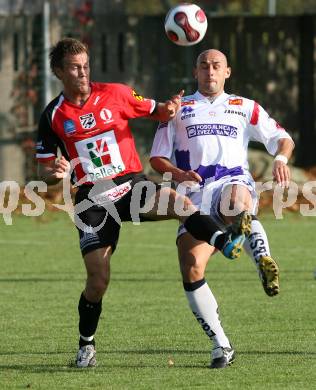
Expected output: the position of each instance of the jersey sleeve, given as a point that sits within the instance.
(47, 141)
(133, 104)
(265, 129)
(163, 141)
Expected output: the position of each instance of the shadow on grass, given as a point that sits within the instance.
(70, 365)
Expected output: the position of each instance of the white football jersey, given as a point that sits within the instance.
(212, 138)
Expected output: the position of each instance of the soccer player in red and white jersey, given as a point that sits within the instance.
(88, 123)
(205, 145)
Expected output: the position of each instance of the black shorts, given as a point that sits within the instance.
(100, 209)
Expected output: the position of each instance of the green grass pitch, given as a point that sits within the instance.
(146, 320)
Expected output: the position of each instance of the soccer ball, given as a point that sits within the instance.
(186, 24)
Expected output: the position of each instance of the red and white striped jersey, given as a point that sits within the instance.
(95, 137)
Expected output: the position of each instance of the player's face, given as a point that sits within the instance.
(211, 72)
(75, 74)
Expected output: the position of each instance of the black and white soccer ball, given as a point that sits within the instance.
(186, 24)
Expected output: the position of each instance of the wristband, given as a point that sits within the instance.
(282, 158)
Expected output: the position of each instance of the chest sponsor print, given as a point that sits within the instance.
(211, 129)
(87, 121)
(100, 156)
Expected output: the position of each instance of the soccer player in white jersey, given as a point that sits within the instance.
(205, 147)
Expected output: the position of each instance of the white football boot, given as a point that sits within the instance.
(86, 356)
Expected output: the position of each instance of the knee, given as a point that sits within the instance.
(98, 284)
(191, 272)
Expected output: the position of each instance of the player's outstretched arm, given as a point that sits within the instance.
(53, 171)
(280, 171)
(167, 110)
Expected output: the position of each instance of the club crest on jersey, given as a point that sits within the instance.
(137, 96)
(69, 127)
(87, 121)
(235, 102)
(187, 112)
(106, 115)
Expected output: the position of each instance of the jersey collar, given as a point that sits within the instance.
(198, 96)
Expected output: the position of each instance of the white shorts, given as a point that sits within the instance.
(208, 198)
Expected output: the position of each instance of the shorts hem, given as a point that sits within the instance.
(91, 248)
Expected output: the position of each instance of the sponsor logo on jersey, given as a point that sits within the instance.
(235, 112)
(69, 127)
(187, 103)
(87, 121)
(137, 96)
(99, 153)
(211, 129)
(100, 156)
(212, 113)
(106, 115)
(113, 195)
(187, 112)
(104, 172)
(235, 102)
(162, 125)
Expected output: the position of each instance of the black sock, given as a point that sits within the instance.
(201, 226)
(89, 314)
(193, 285)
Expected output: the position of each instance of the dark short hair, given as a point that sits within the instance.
(62, 48)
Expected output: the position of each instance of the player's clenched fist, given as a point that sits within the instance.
(174, 104)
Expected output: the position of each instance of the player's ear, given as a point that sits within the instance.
(228, 72)
(194, 73)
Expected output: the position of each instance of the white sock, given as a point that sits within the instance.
(257, 244)
(204, 306)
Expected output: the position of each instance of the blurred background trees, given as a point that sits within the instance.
(273, 61)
